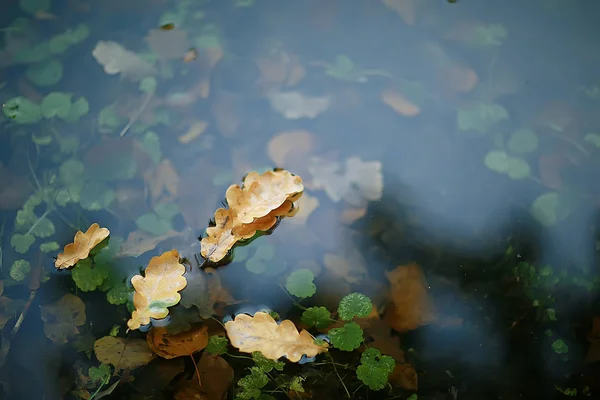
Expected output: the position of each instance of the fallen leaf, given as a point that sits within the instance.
(349, 268)
(351, 214)
(196, 129)
(409, 305)
(204, 291)
(81, 246)
(254, 206)
(122, 353)
(360, 183)
(216, 376)
(190, 55)
(168, 44)
(405, 376)
(164, 180)
(139, 242)
(280, 69)
(400, 104)
(261, 333)
(294, 144)
(118, 60)
(178, 345)
(158, 289)
(294, 105)
(62, 318)
(207, 60)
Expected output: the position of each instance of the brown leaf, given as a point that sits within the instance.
(294, 144)
(409, 306)
(204, 291)
(262, 333)
(405, 376)
(280, 69)
(462, 80)
(62, 318)
(182, 344)
(81, 246)
(400, 104)
(163, 181)
(158, 289)
(216, 376)
(139, 242)
(196, 129)
(122, 353)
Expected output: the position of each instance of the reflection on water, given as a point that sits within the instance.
(449, 154)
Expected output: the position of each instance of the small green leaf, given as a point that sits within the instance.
(22, 110)
(518, 168)
(375, 369)
(496, 161)
(316, 316)
(148, 84)
(96, 196)
(34, 6)
(87, 277)
(56, 104)
(78, 109)
(109, 120)
(252, 384)
(43, 228)
(100, 374)
(71, 171)
(19, 270)
(151, 223)
(300, 283)
(22, 243)
(118, 294)
(49, 247)
(42, 139)
(523, 141)
(217, 344)
(560, 347)
(45, 73)
(166, 211)
(354, 305)
(347, 338)
(480, 117)
(551, 314)
(489, 35)
(256, 266)
(593, 138)
(266, 364)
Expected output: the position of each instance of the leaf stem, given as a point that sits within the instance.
(338, 375)
(44, 215)
(197, 372)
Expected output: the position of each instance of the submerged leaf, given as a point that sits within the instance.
(122, 353)
(320, 317)
(81, 246)
(178, 345)
(22, 110)
(56, 104)
(262, 333)
(480, 117)
(62, 318)
(158, 289)
(117, 60)
(46, 73)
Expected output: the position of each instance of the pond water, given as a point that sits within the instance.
(449, 153)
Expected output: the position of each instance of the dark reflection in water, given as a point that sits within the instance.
(459, 136)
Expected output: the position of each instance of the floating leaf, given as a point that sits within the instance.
(81, 246)
(43, 228)
(62, 318)
(19, 270)
(87, 276)
(56, 104)
(347, 338)
(217, 344)
(354, 305)
(480, 117)
(300, 283)
(262, 333)
(182, 344)
(375, 369)
(319, 317)
(100, 374)
(523, 141)
(157, 289)
(122, 353)
(22, 110)
(46, 73)
(545, 208)
(21, 243)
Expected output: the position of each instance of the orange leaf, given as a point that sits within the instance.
(158, 289)
(216, 376)
(262, 333)
(405, 376)
(400, 104)
(182, 344)
(81, 246)
(409, 305)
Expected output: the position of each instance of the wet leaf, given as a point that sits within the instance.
(262, 333)
(81, 246)
(139, 242)
(258, 263)
(354, 305)
(178, 345)
(205, 292)
(56, 104)
(157, 289)
(480, 117)
(163, 181)
(21, 243)
(46, 73)
(523, 141)
(319, 317)
(196, 129)
(96, 196)
(252, 384)
(19, 270)
(294, 145)
(375, 369)
(350, 269)
(545, 209)
(62, 318)
(360, 183)
(294, 105)
(300, 283)
(409, 306)
(100, 374)
(516, 168)
(347, 338)
(88, 276)
(153, 224)
(122, 353)
(560, 347)
(22, 110)
(49, 247)
(405, 376)
(217, 344)
(118, 60)
(400, 104)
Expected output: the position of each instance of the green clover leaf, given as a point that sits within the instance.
(354, 305)
(49, 247)
(257, 264)
(217, 344)
(19, 270)
(266, 364)
(100, 374)
(56, 104)
(252, 384)
(480, 117)
(43, 228)
(22, 110)
(118, 294)
(300, 283)
(317, 316)
(347, 338)
(153, 224)
(88, 277)
(21, 243)
(96, 196)
(374, 369)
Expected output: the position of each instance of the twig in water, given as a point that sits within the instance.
(136, 116)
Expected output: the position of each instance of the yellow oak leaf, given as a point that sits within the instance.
(182, 344)
(219, 238)
(122, 353)
(81, 246)
(158, 289)
(262, 333)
